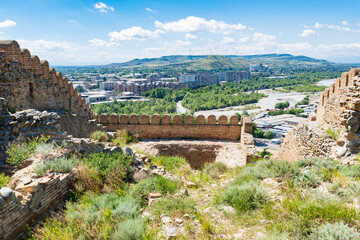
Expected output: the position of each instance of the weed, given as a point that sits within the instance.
(59, 165)
(245, 196)
(171, 163)
(4, 180)
(130, 229)
(215, 169)
(335, 231)
(160, 184)
(44, 148)
(100, 136)
(332, 133)
(173, 206)
(123, 137)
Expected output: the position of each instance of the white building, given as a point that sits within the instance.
(106, 86)
(188, 78)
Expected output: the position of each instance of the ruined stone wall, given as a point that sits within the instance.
(30, 200)
(154, 127)
(333, 101)
(28, 82)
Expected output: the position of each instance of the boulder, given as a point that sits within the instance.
(128, 151)
(6, 192)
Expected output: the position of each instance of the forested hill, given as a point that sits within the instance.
(206, 62)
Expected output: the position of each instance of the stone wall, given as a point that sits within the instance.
(28, 82)
(338, 112)
(30, 200)
(146, 127)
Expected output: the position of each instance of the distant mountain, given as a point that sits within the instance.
(216, 62)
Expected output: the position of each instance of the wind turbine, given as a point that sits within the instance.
(190, 51)
(210, 50)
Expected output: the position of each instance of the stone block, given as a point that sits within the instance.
(124, 119)
(200, 119)
(177, 120)
(114, 118)
(155, 119)
(166, 119)
(234, 120)
(189, 120)
(104, 119)
(211, 120)
(144, 119)
(223, 120)
(134, 119)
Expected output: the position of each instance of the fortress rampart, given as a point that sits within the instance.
(154, 127)
(28, 82)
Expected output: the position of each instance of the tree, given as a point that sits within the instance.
(282, 105)
(80, 88)
(269, 134)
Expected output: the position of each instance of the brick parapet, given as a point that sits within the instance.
(34, 85)
(155, 127)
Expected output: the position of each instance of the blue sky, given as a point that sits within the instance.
(98, 32)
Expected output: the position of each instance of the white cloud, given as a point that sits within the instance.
(190, 36)
(180, 43)
(72, 21)
(44, 45)
(7, 23)
(197, 24)
(261, 37)
(345, 23)
(332, 27)
(101, 43)
(149, 9)
(308, 33)
(134, 33)
(228, 40)
(103, 8)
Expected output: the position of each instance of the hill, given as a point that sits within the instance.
(222, 62)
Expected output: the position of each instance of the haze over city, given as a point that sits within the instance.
(101, 32)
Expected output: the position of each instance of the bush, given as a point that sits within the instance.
(215, 169)
(123, 137)
(102, 172)
(44, 148)
(18, 153)
(244, 197)
(308, 179)
(335, 231)
(4, 180)
(332, 133)
(100, 136)
(173, 206)
(171, 163)
(160, 184)
(277, 168)
(131, 229)
(269, 134)
(282, 105)
(58, 165)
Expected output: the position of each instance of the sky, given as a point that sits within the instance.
(83, 32)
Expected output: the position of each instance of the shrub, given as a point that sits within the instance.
(44, 148)
(244, 197)
(160, 184)
(100, 136)
(332, 133)
(308, 179)
(105, 162)
(277, 168)
(19, 151)
(173, 206)
(59, 165)
(335, 231)
(4, 180)
(171, 163)
(123, 137)
(131, 229)
(215, 169)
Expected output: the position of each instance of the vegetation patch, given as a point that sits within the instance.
(171, 163)
(58, 165)
(100, 136)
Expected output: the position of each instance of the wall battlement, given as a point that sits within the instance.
(146, 127)
(335, 99)
(28, 82)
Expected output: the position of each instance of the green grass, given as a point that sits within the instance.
(246, 196)
(100, 136)
(160, 184)
(58, 165)
(332, 133)
(215, 169)
(171, 163)
(174, 206)
(45, 148)
(123, 137)
(4, 180)
(335, 231)
(19, 152)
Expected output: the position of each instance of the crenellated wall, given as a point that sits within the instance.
(28, 82)
(154, 127)
(334, 100)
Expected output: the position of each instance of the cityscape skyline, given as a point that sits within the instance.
(102, 32)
